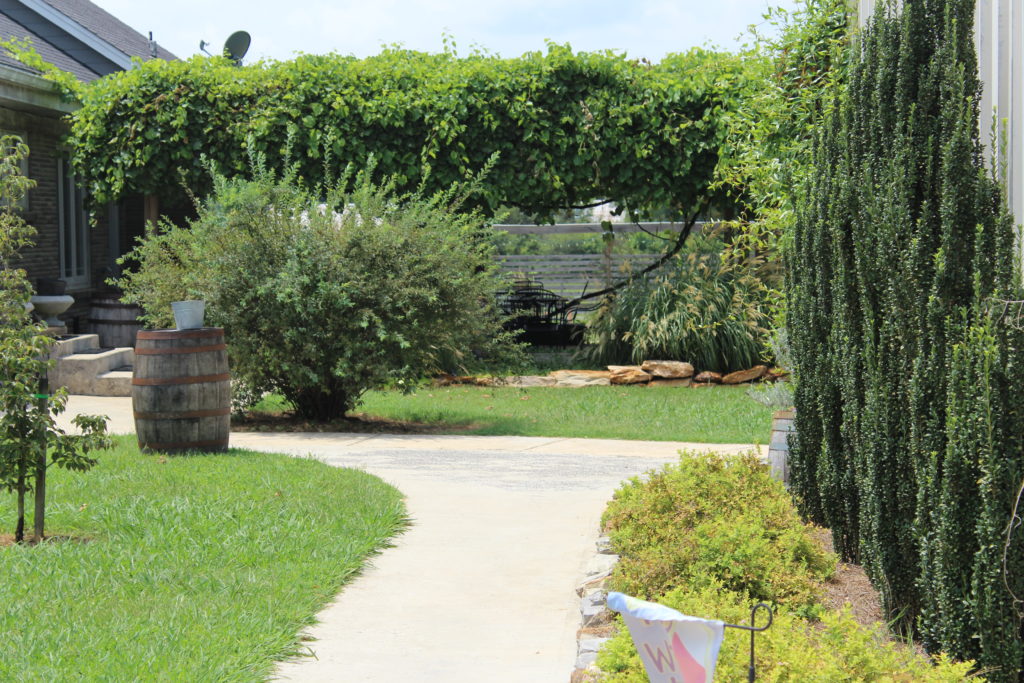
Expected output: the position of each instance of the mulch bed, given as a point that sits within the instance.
(851, 585)
(358, 423)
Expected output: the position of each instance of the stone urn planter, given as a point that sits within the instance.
(49, 307)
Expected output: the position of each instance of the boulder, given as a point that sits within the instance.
(708, 377)
(656, 382)
(668, 369)
(741, 376)
(530, 381)
(581, 378)
(628, 374)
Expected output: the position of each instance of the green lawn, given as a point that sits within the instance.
(709, 415)
(200, 568)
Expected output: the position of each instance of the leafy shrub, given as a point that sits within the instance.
(793, 649)
(714, 518)
(714, 535)
(695, 309)
(325, 293)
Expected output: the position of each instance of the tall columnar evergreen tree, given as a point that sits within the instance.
(911, 428)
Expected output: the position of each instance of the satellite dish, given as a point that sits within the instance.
(236, 46)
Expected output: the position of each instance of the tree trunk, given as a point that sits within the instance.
(321, 405)
(40, 513)
(40, 492)
(19, 529)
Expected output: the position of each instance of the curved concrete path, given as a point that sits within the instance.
(481, 586)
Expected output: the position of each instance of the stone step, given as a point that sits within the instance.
(113, 383)
(88, 372)
(74, 344)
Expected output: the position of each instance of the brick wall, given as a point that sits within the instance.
(43, 135)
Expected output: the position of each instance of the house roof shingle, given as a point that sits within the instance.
(55, 45)
(108, 28)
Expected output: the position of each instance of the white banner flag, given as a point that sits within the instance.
(675, 648)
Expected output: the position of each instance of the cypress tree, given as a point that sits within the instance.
(910, 429)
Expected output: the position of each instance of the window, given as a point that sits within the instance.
(73, 228)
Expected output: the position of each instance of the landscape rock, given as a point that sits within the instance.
(708, 377)
(670, 382)
(593, 611)
(628, 374)
(530, 381)
(592, 584)
(586, 655)
(581, 378)
(774, 375)
(668, 369)
(592, 374)
(741, 376)
(604, 545)
(600, 564)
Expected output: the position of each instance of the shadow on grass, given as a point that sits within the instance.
(266, 421)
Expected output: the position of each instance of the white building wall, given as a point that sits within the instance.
(999, 39)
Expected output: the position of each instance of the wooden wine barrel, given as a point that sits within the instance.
(181, 390)
(116, 323)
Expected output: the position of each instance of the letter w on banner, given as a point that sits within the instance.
(675, 648)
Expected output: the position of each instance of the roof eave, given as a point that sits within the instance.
(76, 30)
(25, 91)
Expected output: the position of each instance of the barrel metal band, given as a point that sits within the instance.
(123, 307)
(159, 381)
(175, 445)
(104, 321)
(181, 415)
(146, 351)
(181, 334)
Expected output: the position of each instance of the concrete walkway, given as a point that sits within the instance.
(480, 587)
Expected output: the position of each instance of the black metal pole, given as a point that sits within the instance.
(751, 670)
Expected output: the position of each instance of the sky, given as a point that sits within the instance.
(279, 29)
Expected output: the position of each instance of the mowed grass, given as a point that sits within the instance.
(194, 568)
(708, 415)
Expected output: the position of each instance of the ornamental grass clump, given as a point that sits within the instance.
(327, 292)
(695, 308)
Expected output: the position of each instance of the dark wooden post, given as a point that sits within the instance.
(151, 211)
(42, 397)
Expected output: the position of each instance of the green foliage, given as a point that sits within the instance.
(695, 308)
(908, 416)
(793, 649)
(714, 535)
(784, 84)
(258, 542)
(325, 293)
(569, 128)
(67, 84)
(714, 520)
(30, 440)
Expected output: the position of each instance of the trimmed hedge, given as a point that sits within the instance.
(910, 412)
